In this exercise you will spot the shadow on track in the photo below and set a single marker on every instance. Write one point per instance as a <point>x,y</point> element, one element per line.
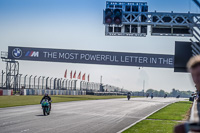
<point>39,115</point>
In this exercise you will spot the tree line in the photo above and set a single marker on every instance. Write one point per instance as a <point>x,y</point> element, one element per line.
<point>173,93</point>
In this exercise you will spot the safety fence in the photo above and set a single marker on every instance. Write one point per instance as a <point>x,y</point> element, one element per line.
<point>30,85</point>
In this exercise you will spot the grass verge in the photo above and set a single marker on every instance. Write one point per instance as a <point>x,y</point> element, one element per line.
<point>164,120</point>
<point>11,101</point>
<point>175,111</point>
<point>152,126</point>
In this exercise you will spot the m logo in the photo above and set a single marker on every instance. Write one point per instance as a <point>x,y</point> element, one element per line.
<point>32,54</point>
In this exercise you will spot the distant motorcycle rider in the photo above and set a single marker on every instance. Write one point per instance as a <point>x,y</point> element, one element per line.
<point>147,95</point>
<point>178,96</point>
<point>128,95</point>
<point>151,95</point>
<point>46,96</point>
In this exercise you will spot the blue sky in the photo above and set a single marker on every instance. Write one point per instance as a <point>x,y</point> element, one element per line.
<point>78,24</point>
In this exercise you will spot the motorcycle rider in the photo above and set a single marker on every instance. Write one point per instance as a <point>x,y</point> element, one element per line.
<point>178,96</point>
<point>151,95</point>
<point>147,95</point>
<point>128,95</point>
<point>46,96</point>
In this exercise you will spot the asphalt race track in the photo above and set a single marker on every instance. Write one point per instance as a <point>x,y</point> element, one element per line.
<point>95,116</point>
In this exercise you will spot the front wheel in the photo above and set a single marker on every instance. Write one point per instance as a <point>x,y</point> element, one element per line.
<point>44,111</point>
<point>48,112</point>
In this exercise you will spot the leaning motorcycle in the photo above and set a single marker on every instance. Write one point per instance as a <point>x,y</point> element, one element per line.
<point>46,107</point>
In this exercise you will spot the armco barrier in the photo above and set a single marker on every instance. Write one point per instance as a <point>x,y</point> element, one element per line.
<point>1,92</point>
<point>64,92</point>
<point>47,92</point>
<point>6,92</point>
<point>43,92</point>
<point>59,92</point>
<point>33,92</point>
<point>23,92</point>
<point>30,91</point>
<point>195,116</point>
<point>54,92</point>
<point>40,92</point>
<point>50,92</point>
<point>27,91</point>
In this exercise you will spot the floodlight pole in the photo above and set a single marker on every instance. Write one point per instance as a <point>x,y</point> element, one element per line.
<point>50,82</point>
<point>39,82</point>
<point>34,81</point>
<point>25,81</point>
<point>30,81</point>
<point>2,78</point>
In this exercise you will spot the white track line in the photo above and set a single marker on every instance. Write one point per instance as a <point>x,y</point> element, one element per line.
<point>143,118</point>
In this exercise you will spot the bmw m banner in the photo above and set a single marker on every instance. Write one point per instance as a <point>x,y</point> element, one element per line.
<point>91,57</point>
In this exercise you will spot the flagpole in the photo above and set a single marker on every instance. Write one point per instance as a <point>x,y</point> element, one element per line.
<point>143,86</point>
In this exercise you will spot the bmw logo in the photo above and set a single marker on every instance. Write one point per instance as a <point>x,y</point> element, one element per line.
<point>17,53</point>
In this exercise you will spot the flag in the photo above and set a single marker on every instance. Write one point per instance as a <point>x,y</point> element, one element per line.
<point>79,75</point>
<point>74,75</point>
<point>71,75</point>
<point>88,77</point>
<point>65,73</point>
<point>83,78</point>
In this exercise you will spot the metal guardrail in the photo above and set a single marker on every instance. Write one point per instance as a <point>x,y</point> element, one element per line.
<point>193,126</point>
<point>194,117</point>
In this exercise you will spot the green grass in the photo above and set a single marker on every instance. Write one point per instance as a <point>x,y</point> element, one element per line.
<point>11,101</point>
<point>174,111</point>
<point>164,120</point>
<point>152,126</point>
